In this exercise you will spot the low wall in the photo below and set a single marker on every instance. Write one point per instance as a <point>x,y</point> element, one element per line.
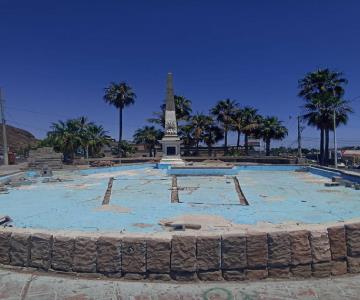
<point>253,256</point>
<point>233,159</point>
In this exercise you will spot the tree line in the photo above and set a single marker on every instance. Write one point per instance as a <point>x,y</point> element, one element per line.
<point>209,129</point>
<point>322,91</point>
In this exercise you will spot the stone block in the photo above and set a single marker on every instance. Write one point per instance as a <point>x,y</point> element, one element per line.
<point>280,272</point>
<point>184,276</point>
<point>300,247</point>
<point>353,264</point>
<point>234,275</point>
<point>108,255</point>
<point>208,253</point>
<point>5,237</point>
<point>134,255</point>
<point>257,250</point>
<point>159,276</point>
<point>279,249</point>
<point>20,249</point>
<point>233,252</point>
<point>158,253</point>
<point>338,267</point>
<point>62,253</point>
<point>353,239</point>
<point>337,242</point>
<point>303,271</point>
<point>40,253</point>
<point>256,274</point>
<point>322,269</point>
<point>210,275</point>
<point>84,258</point>
<point>320,246</point>
<point>183,254</point>
<point>134,276</point>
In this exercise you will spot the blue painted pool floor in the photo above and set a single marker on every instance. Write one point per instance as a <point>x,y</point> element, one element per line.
<point>141,198</point>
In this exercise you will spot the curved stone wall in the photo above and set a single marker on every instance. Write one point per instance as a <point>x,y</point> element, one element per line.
<point>281,254</point>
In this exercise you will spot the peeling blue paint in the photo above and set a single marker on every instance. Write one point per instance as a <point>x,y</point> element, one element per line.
<point>276,194</point>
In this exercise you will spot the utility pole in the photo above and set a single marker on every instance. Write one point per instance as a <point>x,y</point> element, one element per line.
<point>335,143</point>
<point>299,138</point>
<point>5,148</point>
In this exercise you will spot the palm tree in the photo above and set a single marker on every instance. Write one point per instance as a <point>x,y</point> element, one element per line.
<point>83,124</point>
<point>250,122</point>
<point>149,136</point>
<point>182,110</point>
<point>97,137</point>
<point>237,124</point>
<point>212,135</point>
<point>323,90</point>
<point>75,134</point>
<point>186,133</point>
<point>199,123</point>
<point>223,111</point>
<point>64,137</point>
<point>271,129</point>
<point>319,113</point>
<point>127,148</point>
<point>119,95</point>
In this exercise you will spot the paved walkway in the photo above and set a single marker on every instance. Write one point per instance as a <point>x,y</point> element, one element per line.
<point>35,286</point>
<point>11,169</point>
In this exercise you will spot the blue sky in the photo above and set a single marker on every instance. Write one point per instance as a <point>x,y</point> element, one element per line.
<point>56,57</point>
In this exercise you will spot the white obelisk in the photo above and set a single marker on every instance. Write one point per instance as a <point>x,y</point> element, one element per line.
<point>171,141</point>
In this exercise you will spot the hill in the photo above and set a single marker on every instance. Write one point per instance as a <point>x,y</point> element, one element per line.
<point>17,138</point>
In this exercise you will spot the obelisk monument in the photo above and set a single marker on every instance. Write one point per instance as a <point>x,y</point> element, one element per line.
<point>171,141</point>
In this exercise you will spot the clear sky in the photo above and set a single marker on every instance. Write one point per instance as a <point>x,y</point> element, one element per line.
<point>56,57</point>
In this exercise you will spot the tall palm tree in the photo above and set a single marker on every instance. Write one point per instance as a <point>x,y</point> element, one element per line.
<point>271,129</point>
<point>119,95</point>
<point>212,135</point>
<point>322,91</point>
<point>149,136</point>
<point>199,123</point>
<point>182,110</point>
<point>250,122</point>
<point>237,124</point>
<point>223,111</point>
<point>319,113</point>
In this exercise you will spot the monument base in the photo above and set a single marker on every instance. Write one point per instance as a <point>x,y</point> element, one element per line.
<point>171,161</point>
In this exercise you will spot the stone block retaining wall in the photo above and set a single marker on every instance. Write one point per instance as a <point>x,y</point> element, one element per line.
<point>253,256</point>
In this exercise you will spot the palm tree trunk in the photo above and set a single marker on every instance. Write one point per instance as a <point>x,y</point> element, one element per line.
<point>321,146</point>
<point>209,150</point>
<point>238,139</point>
<point>120,129</point>
<point>226,141</point>
<point>197,148</point>
<point>327,139</point>
<point>154,151</point>
<point>267,147</point>
<point>87,151</point>
<point>150,151</point>
<point>246,144</point>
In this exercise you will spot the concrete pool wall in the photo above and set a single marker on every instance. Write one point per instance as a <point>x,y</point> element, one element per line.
<point>233,256</point>
<point>188,256</point>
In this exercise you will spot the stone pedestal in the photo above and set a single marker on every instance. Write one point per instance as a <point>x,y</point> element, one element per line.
<point>171,151</point>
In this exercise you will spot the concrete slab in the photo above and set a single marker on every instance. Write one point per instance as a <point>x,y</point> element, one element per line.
<point>39,286</point>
